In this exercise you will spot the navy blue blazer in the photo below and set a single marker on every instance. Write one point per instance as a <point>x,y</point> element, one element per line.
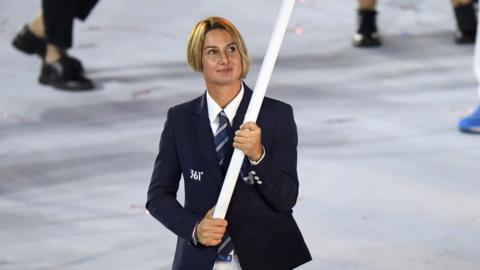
<point>260,220</point>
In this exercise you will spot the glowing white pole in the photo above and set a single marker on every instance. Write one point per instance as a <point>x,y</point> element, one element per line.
<point>255,104</point>
<point>476,58</point>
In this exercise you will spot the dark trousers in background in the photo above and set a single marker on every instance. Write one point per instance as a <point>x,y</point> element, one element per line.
<point>58,17</point>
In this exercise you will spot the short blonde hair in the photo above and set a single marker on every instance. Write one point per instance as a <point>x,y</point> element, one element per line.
<point>197,40</point>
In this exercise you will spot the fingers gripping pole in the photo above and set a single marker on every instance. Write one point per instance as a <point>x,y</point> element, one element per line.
<point>255,104</point>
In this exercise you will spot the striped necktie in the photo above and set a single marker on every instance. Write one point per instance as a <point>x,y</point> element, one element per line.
<point>224,148</point>
<point>223,142</point>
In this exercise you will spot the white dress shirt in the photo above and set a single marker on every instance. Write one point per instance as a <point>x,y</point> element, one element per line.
<point>230,110</point>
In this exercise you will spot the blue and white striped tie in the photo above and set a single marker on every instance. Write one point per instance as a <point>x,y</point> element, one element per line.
<point>224,148</point>
<point>223,143</point>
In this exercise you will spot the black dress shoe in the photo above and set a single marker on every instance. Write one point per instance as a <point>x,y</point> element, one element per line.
<point>366,40</point>
<point>465,37</point>
<point>65,74</point>
<point>27,42</point>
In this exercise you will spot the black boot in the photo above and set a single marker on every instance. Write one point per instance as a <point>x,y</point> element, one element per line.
<point>467,24</point>
<point>367,35</point>
<point>65,74</point>
<point>25,41</point>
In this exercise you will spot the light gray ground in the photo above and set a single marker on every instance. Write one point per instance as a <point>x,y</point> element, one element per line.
<point>387,182</point>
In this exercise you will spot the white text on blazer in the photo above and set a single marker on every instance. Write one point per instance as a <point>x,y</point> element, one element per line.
<point>196,175</point>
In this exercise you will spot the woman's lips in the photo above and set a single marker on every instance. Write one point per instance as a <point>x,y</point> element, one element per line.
<point>225,70</point>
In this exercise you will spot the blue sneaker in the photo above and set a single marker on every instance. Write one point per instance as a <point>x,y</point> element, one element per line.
<point>471,123</point>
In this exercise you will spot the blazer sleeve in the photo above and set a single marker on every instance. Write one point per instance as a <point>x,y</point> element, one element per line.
<point>278,169</point>
<point>162,200</point>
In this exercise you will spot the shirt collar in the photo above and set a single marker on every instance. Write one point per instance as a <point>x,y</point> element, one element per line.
<point>230,110</point>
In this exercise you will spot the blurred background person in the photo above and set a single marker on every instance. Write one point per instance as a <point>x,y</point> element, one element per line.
<point>367,33</point>
<point>50,35</point>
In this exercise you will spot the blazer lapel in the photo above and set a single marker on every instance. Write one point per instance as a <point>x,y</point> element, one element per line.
<point>242,108</point>
<point>205,137</point>
<point>240,114</point>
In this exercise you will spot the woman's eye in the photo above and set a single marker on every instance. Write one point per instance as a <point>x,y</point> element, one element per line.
<point>211,52</point>
<point>232,49</point>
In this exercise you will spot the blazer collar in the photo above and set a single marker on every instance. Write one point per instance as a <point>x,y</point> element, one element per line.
<point>200,103</point>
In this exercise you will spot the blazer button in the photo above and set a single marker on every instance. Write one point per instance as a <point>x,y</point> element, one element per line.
<point>256,178</point>
<point>253,172</point>
<point>259,182</point>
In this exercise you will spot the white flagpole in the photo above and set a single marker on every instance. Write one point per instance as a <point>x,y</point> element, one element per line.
<point>255,104</point>
<point>476,58</point>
